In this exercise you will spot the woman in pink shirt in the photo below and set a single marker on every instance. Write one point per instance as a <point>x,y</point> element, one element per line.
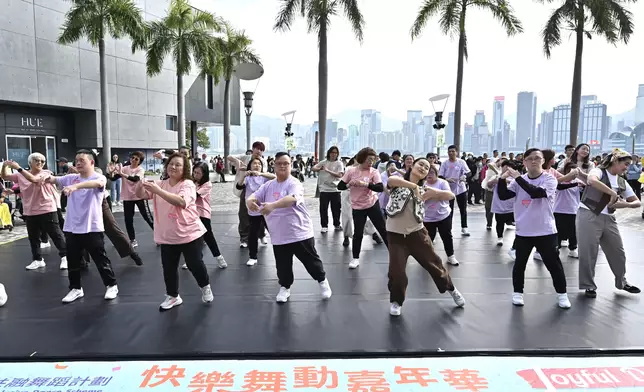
<point>201,176</point>
<point>178,230</point>
<point>39,207</point>
<point>363,181</point>
<point>132,174</point>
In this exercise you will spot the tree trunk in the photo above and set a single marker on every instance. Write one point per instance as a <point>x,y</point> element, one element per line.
<point>323,82</point>
<point>226,124</point>
<point>181,112</point>
<point>575,101</point>
<point>105,104</point>
<point>459,82</point>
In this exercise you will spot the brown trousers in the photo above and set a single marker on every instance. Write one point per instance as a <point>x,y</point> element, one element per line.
<point>419,246</point>
<point>112,230</point>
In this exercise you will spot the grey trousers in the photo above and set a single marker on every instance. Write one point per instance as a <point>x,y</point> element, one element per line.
<point>594,231</point>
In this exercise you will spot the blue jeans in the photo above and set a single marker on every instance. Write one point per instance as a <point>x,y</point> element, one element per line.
<point>116,188</point>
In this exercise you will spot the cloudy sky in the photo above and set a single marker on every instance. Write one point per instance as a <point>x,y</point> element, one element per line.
<point>390,73</point>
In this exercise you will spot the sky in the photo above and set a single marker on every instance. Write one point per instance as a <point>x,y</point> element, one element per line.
<point>390,73</point>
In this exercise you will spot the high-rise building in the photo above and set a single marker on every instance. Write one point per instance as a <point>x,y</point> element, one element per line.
<point>370,124</point>
<point>620,126</point>
<point>449,129</point>
<point>354,139</point>
<point>560,127</point>
<point>429,134</point>
<point>468,133</point>
<point>479,118</point>
<point>498,120</point>
<point>545,129</point>
<point>526,118</point>
<point>483,134</point>
<point>414,117</point>
<point>594,127</point>
<point>506,136</point>
<point>639,106</point>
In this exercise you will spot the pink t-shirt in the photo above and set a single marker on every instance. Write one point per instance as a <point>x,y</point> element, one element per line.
<point>176,225</point>
<point>554,173</point>
<point>38,198</point>
<point>203,201</point>
<point>362,197</point>
<point>127,186</point>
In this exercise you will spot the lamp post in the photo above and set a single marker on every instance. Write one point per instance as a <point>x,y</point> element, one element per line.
<point>438,119</point>
<point>288,134</point>
<point>249,75</point>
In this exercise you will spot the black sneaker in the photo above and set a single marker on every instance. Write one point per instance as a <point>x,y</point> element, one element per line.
<point>376,238</point>
<point>345,243</point>
<point>591,293</point>
<point>631,289</point>
<point>137,259</point>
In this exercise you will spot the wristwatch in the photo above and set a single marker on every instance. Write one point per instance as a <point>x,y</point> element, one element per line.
<point>19,170</point>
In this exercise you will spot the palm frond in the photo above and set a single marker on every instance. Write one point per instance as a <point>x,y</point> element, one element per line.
<point>286,14</point>
<point>451,22</point>
<point>623,19</point>
<point>503,12</point>
<point>353,14</point>
<point>160,43</point>
<point>427,10</point>
<point>76,24</point>
<point>551,32</point>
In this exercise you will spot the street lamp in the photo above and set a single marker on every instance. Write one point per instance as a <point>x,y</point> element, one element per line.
<point>438,118</point>
<point>288,134</point>
<point>248,75</point>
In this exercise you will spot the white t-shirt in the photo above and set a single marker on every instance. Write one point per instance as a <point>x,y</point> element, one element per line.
<point>613,183</point>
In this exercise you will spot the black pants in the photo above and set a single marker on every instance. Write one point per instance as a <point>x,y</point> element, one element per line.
<point>474,190</point>
<point>63,202</point>
<point>48,224</point>
<point>489,196</point>
<point>255,231</point>
<point>94,244</point>
<point>128,215</point>
<point>193,256</point>
<point>637,188</point>
<point>567,229</point>
<point>461,200</point>
<point>334,199</point>
<point>444,228</point>
<point>501,221</point>
<point>360,219</point>
<point>303,250</point>
<point>546,246</point>
<point>244,222</point>
<point>209,238</point>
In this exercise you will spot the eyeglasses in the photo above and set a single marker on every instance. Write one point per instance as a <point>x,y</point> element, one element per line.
<point>282,163</point>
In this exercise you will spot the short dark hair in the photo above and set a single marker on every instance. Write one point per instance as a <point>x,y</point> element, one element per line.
<point>396,152</point>
<point>253,160</point>
<point>452,147</point>
<point>139,155</point>
<point>259,146</point>
<point>281,154</point>
<point>507,162</point>
<point>205,171</point>
<point>529,151</point>
<point>89,153</point>
<point>363,154</point>
<point>548,155</point>
<point>569,146</point>
<point>328,152</point>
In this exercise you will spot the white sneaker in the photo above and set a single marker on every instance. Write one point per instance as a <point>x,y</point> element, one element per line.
<point>355,263</point>
<point>35,265</point>
<point>221,263</point>
<point>324,230</point>
<point>452,260</point>
<point>243,245</point>
<point>170,302</point>
<point>465,232</point>
<point>513,254</point>
<point>63,263</point>
<point>563,301</point>
<point>134,244</point>
<point>206,294</point>
<point>3,295</point>
<point>184,266</point>
<point>395,309</point>
<point>263,241</point>
<point>283,295</point>
<point>73,295</point>
<point>112,292</point>
<point>499,242</point>
<point>517,299</point>
<point>251,262</point>
<point>458,298</point>
<point>45,245</point>
<point>564,243</point>
<point>537,256</point>
<point>574,254</point>
<point>325,289</point>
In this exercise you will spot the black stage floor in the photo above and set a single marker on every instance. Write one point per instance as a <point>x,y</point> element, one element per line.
<point>244,318</point>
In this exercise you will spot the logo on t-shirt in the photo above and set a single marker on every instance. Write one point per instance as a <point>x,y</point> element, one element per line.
<point>173,216</point>
<point>526,203</point>
<point>276,195</point>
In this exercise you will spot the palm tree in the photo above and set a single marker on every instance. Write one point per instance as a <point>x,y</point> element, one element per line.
<point>231,50</point>
<point>185,34</point>
<point>94,20</point>
<point>452,22</point>
<point>606,18</point>
<point>318,17</point>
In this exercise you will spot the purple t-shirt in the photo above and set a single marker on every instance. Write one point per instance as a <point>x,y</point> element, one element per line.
<point>84,206</point>
<point>534,217</point>
<point>567,201</point>
<point>290,224</point>
<point>435,210</point>
<point>252,185</point>
<point>501,206</point>
<point>455,170</point>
